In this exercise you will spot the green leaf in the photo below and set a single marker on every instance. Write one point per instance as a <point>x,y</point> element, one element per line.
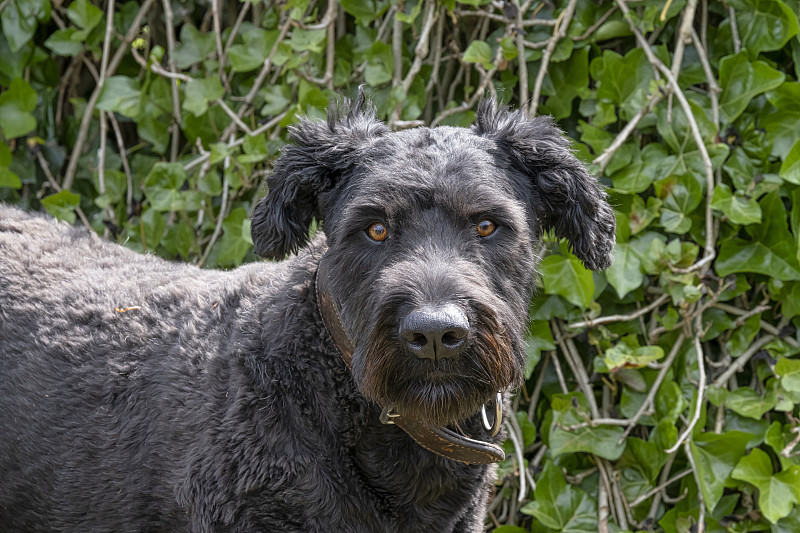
<point>163,188</point>
<point>120,94</point>
<point>539,338</point>
<point>153,224</point>
<point>84,15</point>
<point>715,457</point>
<point>19,20</point>
<point>789,372</point>
<point>7,177</point>
<point>623,75</point>
<point>479,52</point>
<point>16,105</point>
<point>232,247</point>
<point>308,40</point>
<point>62,205</point>
<point>559,506</point>
<point>199,92</point>
<point>764,25</point>
<point>622,355</point>
<point>65,42</point>
<point>777,493</point>
<point>194,46</point>
<point>625,273</point>
<point>738,255</point>
<point>790,168</point>
<point>380,64</point>
<point>256,48</point>
<point>570,410</point>
<point>567,277</point>
<point>742,80</point>
<point>737,207</point>
<point>681,195</point>
<point>365,11</point>
<point>746,402</point>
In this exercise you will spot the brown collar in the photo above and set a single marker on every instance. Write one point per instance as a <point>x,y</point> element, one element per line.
<point>438,440</point>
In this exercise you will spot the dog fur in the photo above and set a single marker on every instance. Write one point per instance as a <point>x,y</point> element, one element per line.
<point>140,395</point>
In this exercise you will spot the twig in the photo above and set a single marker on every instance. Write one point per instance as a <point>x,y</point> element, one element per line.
<point>559,374</point>
<point>123,154</point>
<point>742,360</point>
<point>701,387</point>
<point>713,86</point>
<point>660,487</point>
<point>515,434</point>
<point>57,187</point>
<point>710,248</point>
<point>559,32</point>
<point>737,43</point>
<point>596,25</point>
<point>648,401</point>
<point>604,158</point>
<point>83,130</point>
<point>578,370</point>
<point>620,318</point>
<point>701,518</point>
<point>176,103</point>
<point>101,151</point>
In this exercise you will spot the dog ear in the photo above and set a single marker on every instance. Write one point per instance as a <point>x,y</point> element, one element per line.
<point>321,153</point>
<point>565,197</point>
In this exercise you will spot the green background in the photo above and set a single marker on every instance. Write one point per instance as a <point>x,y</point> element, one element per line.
<point>663,393</point>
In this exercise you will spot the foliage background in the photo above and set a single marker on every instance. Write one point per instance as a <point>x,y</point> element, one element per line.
<point>663,392</point>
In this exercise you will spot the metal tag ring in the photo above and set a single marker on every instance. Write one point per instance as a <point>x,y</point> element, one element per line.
<point>493,428</point>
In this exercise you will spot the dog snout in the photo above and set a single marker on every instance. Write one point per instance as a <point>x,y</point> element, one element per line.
<point>435,333</point>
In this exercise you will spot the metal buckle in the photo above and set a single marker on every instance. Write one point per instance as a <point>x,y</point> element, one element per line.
<point>387,414</point>
<point>493,428</point>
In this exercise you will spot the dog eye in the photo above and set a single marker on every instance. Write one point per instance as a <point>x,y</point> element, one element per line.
<point>486,227</point>
<point>377,232</point>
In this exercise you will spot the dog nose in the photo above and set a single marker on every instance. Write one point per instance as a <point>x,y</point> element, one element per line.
<point>435,332</point>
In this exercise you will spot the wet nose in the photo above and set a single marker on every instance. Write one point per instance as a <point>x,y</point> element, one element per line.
<point>435,332</point>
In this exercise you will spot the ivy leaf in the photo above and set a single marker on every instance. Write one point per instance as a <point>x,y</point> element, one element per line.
<point>84,15</point>
<point>738,255</point>
<point>479,52</point>
<point>764,25</point>
<point>622,355</point>
<point>783,122</point>
<point>681,195</point>
<point>567,277</point>
<point>777,493</point>
<point>198,93</point>
<point>746,402</point>
<point>120,94</point>
<point>308,40</point>
<point>570,410</point>
<point>738,208</point>
<point>563,82</point>
<point>232,247</point>
<point>742,80</point>
<point>194,46</point>
<point>715,457</point>
<point>16,105</point>
<point>789,372</point>
<point>19,20</point>
<point>62,205</point>
<point>621,76</point>
<point>163,188</point>
<point>560,506</point>
<point>539,338</point>
<point>256,48</point>
<point>8,178</point>
<point>790,168</point>
<point>380,64</point>
<point>625,273</point>
<point>66,42</point>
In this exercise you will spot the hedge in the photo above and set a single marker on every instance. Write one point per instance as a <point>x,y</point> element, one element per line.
<point>662,393</point>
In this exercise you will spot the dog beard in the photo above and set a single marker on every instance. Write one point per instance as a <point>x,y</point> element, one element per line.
<point>440,392</point>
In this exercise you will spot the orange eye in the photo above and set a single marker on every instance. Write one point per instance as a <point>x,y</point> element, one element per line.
<point>377,232</point>
<point>486,227</point>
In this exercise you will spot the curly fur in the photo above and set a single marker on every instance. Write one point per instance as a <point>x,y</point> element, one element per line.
<point>142,395</point>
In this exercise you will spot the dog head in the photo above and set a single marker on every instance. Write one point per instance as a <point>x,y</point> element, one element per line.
<point>432,243</point>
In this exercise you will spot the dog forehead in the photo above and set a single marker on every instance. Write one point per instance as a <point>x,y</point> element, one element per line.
<point>434,161</point>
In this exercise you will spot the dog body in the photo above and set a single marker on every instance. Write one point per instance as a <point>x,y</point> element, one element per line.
<point>142,395</point>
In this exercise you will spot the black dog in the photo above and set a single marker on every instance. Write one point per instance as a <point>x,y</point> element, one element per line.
<point>142,395</point>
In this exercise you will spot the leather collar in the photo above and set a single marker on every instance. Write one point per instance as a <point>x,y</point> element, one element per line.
<point>439,440</point>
